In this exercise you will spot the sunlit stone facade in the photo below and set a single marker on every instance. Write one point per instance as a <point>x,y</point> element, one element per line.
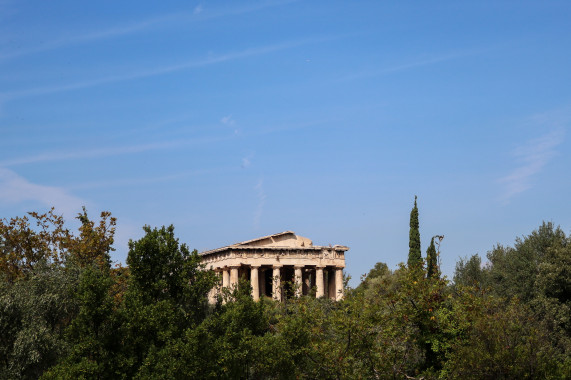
<point>280,265</point>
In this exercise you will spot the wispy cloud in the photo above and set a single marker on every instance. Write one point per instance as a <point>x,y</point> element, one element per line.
<point>227,120</point>
<point>247,160</point>
<point>411,65</point>
<point>531,157</point>
<point>106,152</point>
<point>248,8</point>
<point>17,189</point>
<point>198,9</point>
<point>247,53</point>
<point>261,194</point>
<point>120,30</point>
<point>121,182</point>
<point>87,37</point>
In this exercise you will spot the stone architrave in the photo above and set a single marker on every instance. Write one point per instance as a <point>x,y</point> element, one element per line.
<point>281,253</point>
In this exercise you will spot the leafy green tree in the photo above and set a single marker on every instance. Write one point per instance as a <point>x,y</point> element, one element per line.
<point>33,316</point>
<point>166,294</point>
<point>552,306</point>
<point>401,310</point>
<point>414,254</point>
<point>379,270</point>
<point>535,272</point>
<point>494,341</point>
<point>40,265</point>
<point>469,272</point>
<point>223,346</point>
<point>95,334</point>
<point>316,338</point>
<point>513,270</point>
<point>162,269</point>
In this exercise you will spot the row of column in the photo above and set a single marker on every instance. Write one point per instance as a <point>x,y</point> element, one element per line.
<point>230,278</point>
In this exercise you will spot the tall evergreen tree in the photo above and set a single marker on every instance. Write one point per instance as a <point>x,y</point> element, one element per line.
<point>431,260</point>
<point>414,255</point>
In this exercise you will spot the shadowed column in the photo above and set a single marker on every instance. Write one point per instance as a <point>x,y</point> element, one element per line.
<point>331,285</point>
<point>262,277</point>
<point>307,281</point>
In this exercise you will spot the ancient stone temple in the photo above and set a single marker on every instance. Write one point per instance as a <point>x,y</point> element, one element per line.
<point>280,265</point>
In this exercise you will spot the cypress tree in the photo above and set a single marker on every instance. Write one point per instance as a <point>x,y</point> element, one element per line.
<point>414,255</point>
<point>431,261</point>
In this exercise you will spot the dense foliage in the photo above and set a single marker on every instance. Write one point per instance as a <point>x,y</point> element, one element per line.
<point>65,313</point>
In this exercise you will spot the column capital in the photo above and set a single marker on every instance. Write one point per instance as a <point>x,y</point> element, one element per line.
<point>299,266</point>
<point>277,265</point>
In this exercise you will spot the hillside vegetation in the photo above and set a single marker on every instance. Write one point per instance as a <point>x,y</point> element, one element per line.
<point>67,313</point>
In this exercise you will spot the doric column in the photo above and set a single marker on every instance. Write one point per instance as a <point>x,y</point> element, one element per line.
<point>255,283</point>
<point>331,288</point>
<point>338,283</point>
<point>277,293</point>
<point>319,282</point>
<point>225,278</point>
<point>298,283</point>
<point>234,276</point>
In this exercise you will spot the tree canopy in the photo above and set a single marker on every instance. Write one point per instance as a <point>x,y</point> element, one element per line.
<point>67,313</point>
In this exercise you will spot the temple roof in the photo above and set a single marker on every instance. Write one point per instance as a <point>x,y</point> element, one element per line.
<point>279,241</point>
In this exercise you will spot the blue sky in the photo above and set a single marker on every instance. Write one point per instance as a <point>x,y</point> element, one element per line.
<point>233,120</point>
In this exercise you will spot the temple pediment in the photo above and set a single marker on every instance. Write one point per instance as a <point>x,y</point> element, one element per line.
<point>283,239</point>
<point>279,241</point>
